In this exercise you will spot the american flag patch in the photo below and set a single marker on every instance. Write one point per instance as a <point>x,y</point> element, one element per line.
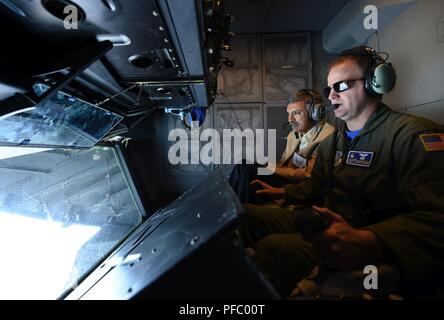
<point>432,141</point>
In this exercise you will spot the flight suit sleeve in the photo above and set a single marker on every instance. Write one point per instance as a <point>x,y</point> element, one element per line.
<point>416,239</point>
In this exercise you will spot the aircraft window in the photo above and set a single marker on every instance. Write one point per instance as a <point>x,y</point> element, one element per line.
<point>63,120</point>
<point>61,212</point>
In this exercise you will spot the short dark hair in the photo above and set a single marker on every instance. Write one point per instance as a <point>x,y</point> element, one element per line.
<point>364,62</point>
<point>308,96</point>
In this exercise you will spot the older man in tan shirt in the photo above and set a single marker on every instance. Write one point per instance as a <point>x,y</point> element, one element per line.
<point>305,114</point>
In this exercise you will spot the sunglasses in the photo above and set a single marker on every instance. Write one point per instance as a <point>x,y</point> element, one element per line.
<point>338,87</point>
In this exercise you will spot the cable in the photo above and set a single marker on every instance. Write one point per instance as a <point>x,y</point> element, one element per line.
<point>115,95</point>
<point>140,94</point>
<point>422,104</point>
<point>231,107</point>
<point>371,35</point>
<point>266,16</point>
<point>386,54</point>
<point>377,41</point>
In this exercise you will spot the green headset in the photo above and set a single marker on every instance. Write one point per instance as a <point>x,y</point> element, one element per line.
<point>381,76</point>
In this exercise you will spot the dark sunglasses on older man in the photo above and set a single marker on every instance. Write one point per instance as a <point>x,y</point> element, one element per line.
<point>339,86</point>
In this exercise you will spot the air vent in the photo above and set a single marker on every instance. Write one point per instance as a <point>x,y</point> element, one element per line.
<point>140,61</point>
<point>163,90</point>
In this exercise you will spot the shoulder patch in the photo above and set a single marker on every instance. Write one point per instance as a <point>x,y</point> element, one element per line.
<point>432,141</point>
<point>338,159</point>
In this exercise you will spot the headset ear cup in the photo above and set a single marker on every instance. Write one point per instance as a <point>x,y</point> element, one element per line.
<point>314,106</point>
<point>311,112</point>
<point>368,81</point>
<point>380,79</point>
<point>322,111</point>
<point>383,78</point>
<point>318,111</point>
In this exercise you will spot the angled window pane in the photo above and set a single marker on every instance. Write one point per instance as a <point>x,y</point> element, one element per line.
<point>61,212</point>
<point>62,121</point>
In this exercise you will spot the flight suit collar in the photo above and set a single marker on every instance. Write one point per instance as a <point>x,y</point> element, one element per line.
<point>377,118</point>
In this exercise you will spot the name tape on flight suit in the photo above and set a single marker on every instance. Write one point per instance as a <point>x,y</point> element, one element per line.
<point>432,141</point>
<point>360,158</point>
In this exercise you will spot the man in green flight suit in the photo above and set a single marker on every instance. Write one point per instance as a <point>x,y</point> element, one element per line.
<point>378,181</point>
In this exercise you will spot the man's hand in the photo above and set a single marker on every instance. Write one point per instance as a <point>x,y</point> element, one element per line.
<point>267,190</point>
<point>343,247</point>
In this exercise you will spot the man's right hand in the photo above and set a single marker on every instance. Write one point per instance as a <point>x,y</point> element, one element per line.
<point>267,190</point>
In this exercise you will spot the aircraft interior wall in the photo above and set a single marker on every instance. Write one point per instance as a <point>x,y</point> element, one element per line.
<point>251,95</point>
<point>415,41</point>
